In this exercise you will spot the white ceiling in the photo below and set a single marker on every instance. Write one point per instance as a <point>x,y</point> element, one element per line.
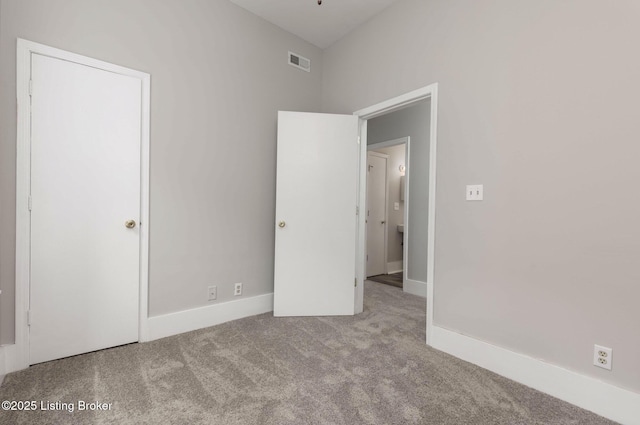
<point>319,25</point>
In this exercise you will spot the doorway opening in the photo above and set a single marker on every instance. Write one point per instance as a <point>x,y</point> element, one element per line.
<point>326,154</point>
<point>386,212</point>
<point>412,116</point>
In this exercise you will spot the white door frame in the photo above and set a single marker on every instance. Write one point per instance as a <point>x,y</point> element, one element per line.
<point>386,206</point>
<point>17,355</point>
<point>387,106</point>
<point>405,235</point>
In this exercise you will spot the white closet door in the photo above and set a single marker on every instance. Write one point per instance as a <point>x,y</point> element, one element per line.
<point>85,187</point>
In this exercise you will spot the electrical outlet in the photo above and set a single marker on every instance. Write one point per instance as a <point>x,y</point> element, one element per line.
<point>212,292</point>
<point>237,290</point>
<point>602,357</point>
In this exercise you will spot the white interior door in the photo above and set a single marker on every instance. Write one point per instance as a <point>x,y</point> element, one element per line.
<point>316,218</point>
<point>85,184</point>
<point>376,213</point>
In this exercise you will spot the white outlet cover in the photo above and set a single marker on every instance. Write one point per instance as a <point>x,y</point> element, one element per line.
<point>602,356</point>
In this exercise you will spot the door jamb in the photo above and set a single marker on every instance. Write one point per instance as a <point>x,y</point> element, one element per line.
<point>18,354</point>
<point>387,106</point>
<point>386,206</point>
<point>406,141</point>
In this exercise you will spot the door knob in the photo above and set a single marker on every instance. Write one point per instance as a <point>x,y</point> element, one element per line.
<point>130,224</point>
<point>382,222</point>
<point>282,224</point>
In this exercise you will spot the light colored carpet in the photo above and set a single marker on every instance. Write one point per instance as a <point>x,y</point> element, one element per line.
<point>373,368</point>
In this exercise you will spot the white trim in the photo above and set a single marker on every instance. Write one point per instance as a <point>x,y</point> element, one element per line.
<point>381,155</point>
<point>211,315</point>
<point>388,143</point>
<point>17,355</point>
<point>589,393</point>
<point>431,221</point>
<point>12,361</point>
<point>407,204</point>
<point>396,103</point>
<point>391,105</point>
<point>414,287</point>
<point>3,366</point>
<point>361,240</point>
<point>19,359</point>
<point>145,225</point>
<point>394,267</point>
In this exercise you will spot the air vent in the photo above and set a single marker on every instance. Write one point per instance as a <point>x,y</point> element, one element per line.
<point>299,62</point>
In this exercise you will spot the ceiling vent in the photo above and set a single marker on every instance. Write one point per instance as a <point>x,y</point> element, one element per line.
<point>299,62</point>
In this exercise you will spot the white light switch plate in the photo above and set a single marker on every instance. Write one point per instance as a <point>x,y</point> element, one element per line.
<point>475,192</point>
<point>396,206</point>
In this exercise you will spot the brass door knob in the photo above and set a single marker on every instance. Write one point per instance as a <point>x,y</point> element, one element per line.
<point>130,224</point>
<point>282,224</point>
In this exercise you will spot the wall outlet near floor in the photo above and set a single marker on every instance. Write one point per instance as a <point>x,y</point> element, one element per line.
<point>602,356</point>
<point>237,289</point>
<point>212,292</point>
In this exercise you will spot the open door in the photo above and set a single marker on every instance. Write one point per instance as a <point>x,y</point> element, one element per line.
<point>316,198</point>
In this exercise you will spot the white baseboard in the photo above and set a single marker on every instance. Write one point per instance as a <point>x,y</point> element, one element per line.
<point>3,364</point>
<point>604,399</point>
<point>167,325</point>
<point>203,317</point>
<point>415,287</point>
<point>10,360</point>
<point>394,267</point>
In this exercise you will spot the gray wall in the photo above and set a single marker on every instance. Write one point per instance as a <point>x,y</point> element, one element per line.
<point>219,74</point>
<point>394,238</point>
<point>415,123</point>
<point>538,102</point>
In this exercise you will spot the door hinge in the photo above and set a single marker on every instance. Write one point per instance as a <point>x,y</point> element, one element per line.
<point>28,317</point>
<point>30,87</point>
<point>355,282</point>
<point>358,139</point>
<point>29,203</point>
<point>357,210</point>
